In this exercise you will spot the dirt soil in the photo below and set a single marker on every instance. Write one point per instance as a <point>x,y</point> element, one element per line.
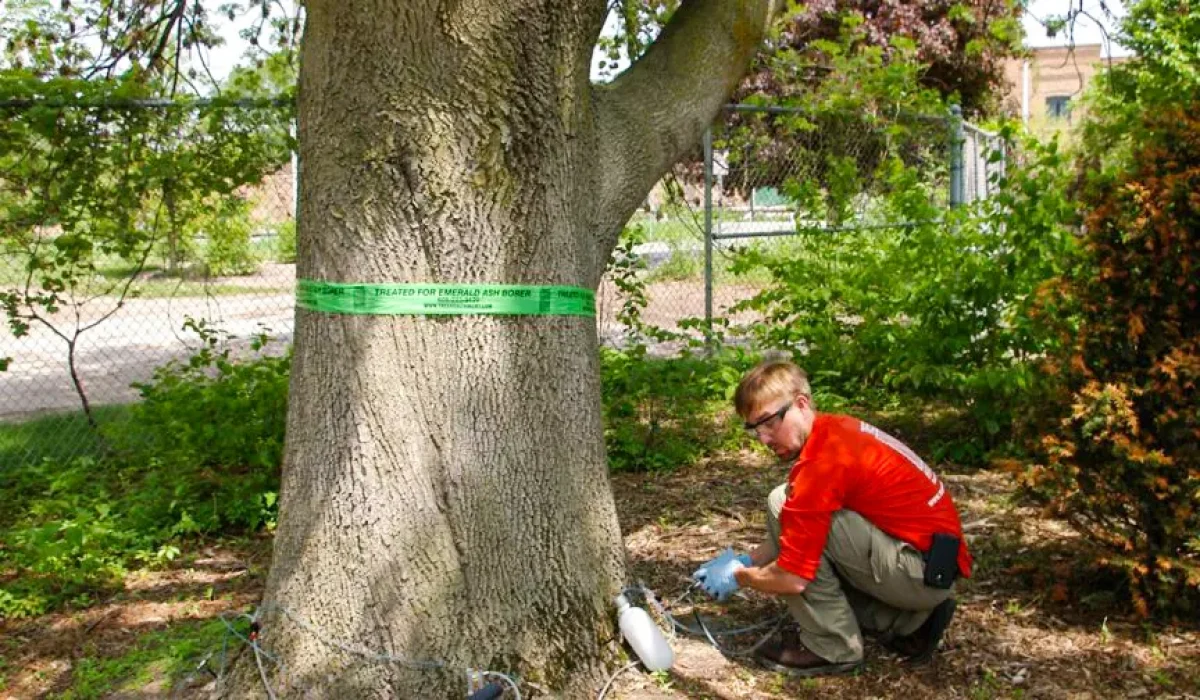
<point>1018,633</point>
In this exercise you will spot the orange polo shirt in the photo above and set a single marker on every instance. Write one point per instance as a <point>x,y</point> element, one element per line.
<point>849,464</point>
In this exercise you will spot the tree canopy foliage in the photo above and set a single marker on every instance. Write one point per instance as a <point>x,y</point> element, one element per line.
<point>960,45</point>
<point>97,169</point>
<point>165,42</point>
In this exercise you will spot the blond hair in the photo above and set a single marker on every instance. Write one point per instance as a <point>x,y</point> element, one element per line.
<point>771,379</point>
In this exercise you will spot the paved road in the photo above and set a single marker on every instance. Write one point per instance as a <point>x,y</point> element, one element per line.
<point>125,348</point>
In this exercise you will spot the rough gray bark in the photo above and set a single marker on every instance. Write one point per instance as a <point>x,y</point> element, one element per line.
<point>445,494</point>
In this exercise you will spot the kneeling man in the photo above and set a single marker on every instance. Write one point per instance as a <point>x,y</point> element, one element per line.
<point>862,536</point>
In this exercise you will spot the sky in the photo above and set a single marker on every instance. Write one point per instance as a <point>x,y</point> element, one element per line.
<point>1086,30</point>
<point>223,59</point>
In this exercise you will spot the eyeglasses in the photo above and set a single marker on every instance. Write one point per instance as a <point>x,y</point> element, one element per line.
<point>770,422</point>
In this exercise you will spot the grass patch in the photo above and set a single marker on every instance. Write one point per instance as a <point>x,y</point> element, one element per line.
<point>162,658</point>
<point>680,265</point>
<point>685,261</point>
<point>673,231</point>
<point>59,438</point>
<point>167,288</point>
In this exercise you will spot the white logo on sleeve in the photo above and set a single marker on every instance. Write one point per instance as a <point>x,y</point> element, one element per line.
<point>908,454</point>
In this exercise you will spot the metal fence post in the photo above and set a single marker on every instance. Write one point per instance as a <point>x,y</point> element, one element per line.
<point>295,157</point>
<point>957,185</point>
<point>708,239</point>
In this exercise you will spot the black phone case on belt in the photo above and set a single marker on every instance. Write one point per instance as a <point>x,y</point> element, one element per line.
<point>941,563</point>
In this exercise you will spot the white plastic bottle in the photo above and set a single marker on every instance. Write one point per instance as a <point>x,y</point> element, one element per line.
<point>644,636</point>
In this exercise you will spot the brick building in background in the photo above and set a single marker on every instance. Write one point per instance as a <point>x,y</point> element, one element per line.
<point>1045,87</point>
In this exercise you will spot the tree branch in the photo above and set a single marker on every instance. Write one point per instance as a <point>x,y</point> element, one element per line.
<point>656,110</point>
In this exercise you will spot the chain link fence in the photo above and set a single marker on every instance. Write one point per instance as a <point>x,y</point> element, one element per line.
<point>123,222</point>
<point>768,176</point>
<point>119,221</point>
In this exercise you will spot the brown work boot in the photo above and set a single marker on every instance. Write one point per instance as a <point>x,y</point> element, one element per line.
<point>797,660</point>
<point>921,645</point>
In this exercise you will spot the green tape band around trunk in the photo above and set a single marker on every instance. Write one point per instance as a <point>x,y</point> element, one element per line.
<point>444,299</point>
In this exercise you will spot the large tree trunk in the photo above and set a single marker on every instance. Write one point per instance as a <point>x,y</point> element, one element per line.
<point>445,496</point>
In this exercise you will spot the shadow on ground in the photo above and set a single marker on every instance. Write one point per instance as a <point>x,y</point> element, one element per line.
<point>1017,633</point>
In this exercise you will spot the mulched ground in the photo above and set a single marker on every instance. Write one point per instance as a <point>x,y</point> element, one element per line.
<point>1020,632</point>
<point>1017,633</point>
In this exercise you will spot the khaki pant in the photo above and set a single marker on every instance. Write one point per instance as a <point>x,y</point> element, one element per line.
<point>867,580</point>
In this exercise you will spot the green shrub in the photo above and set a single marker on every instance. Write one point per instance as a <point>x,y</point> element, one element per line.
<point>69,538</point>
<point>1119,454</point>
<point>659,413</point>
<point>226,229</point>
<point>200,455</point>
<point>212,410</point>
<point>59,437</point>
<point>681,265</point>
<point>933,308</point>
<point>214,428</point>
<point>1115,438</point>
<point>285,242</point>
<point>663,413</point>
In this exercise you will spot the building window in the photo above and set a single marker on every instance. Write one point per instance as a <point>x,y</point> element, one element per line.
<point>1058,107</point>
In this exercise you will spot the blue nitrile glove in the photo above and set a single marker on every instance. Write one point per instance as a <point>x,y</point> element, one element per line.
<point>716,576</point>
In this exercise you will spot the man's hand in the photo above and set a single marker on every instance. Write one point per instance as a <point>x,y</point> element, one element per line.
<point>717,576</point>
